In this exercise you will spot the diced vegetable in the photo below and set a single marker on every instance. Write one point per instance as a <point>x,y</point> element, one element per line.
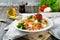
<point>27,21</point>
<point>39,17</point>
<point>21,25</point>
<point>29,17</point>
<point>33,17</point>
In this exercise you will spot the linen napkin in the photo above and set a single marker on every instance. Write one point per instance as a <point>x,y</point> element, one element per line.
<point>12,32</point>
<point>55,30</point>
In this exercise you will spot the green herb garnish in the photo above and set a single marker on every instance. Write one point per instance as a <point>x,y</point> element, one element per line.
<point>29,17</point>
<point>40,36</point>
<point>21,25</point>
<point>35,19</point>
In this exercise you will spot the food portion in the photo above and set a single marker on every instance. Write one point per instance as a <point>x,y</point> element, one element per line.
<point>33,22</point>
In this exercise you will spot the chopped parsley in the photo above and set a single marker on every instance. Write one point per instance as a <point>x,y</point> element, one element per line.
<point>40,36</point>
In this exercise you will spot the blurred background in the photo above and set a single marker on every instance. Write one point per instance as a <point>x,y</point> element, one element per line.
<point>32,5</point>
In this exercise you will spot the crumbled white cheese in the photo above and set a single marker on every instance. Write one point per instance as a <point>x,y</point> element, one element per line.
<point>36,21</point>
<point>44,25</point>
<point>30,25</point>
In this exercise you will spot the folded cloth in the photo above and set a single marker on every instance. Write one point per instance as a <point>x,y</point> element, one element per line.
<point>12,32</point>
<point>55,30</point>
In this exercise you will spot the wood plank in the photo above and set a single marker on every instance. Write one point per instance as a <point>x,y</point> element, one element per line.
<point>35,36</point>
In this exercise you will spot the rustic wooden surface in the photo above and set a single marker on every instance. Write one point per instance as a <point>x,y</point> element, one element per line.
<point>35,36</point>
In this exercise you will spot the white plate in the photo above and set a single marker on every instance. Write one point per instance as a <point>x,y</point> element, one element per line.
<point>50,23</point>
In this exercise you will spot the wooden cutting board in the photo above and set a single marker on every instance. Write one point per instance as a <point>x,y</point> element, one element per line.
<point>38,36</point>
